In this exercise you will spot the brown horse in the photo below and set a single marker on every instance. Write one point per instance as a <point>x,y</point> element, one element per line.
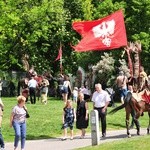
<point>138,107</point>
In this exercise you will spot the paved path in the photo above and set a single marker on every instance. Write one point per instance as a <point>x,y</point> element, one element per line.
<point>57,144</point>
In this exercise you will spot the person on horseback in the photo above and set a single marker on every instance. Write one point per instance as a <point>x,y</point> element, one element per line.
<point>121,82</point>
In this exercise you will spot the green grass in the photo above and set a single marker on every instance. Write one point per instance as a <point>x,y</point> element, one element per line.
<point>138,143</point>
<point>46,120</point>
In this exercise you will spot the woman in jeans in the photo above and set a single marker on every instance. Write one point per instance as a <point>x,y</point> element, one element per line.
<point>18,121</point>
<point>66,88</point>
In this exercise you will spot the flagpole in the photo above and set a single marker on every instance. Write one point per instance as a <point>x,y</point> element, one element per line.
<point>61,59</point>
<point>61,65</point>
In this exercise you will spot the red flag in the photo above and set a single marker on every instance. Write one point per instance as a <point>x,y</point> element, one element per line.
<point>59,57</point>
<point>104,34</point>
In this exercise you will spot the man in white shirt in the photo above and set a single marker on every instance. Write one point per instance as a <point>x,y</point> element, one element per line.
<point>101,101</point>
<point>32,89</point>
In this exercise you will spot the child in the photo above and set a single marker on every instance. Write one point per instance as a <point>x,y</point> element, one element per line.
<point>75,94</point>
<point>68,119</point>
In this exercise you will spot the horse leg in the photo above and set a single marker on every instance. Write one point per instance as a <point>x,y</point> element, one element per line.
<point>148,128</point>
<point>127,127</point>
<point>138,114</point>
<point>128,111</point>
<point>137,126</point>
<point>138,111</point>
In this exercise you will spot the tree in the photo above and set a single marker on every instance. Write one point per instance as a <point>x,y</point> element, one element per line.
<point>36,28</point>
<point>104,69</point>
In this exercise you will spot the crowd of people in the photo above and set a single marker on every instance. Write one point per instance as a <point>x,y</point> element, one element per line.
<point>79,116</point>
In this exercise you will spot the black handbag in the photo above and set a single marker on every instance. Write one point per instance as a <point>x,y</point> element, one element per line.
<point>27,114</point>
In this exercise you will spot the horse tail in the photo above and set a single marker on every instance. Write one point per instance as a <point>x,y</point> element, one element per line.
<point>128,97</point>
<point>117,108</point>
<point>126,101</point>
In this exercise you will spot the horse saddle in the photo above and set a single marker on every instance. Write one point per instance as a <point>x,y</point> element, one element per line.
<point>142,96</point>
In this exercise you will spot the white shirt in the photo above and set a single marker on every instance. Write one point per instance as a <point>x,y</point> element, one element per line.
<point>32,83</point>
<point>75,93</point>
<point>85,91</point>
<point>66,83</point>
<point>19,114</point>
<point>100,98</point>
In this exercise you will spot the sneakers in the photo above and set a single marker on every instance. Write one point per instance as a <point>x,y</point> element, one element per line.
<point>63,139</point>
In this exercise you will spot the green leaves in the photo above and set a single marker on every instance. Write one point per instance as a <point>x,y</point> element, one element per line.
<point>36,28</point>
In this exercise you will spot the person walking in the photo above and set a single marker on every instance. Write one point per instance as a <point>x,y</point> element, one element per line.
<point>82,115</point>
<point>75,94</point>
<point>2,145</point>
<point>18,121</point>
<point>66,88</point>
<point>32,89</point>
<point>101,100</point>
<point>60,81</point>
<point>43,92</point>
<point>69,117</point>
<point>45,83</point>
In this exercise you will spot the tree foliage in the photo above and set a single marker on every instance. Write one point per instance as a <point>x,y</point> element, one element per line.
<point>104,68</point>
<point>37,28</point>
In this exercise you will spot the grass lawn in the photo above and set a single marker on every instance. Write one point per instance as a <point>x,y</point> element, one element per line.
<point>46,120</point>
<point>137,143</point>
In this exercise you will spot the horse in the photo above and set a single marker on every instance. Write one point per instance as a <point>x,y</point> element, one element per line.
<point>130,103</point>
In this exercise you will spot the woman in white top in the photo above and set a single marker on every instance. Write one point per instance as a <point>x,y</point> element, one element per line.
<point>66,87</point>
<point>18,121</point>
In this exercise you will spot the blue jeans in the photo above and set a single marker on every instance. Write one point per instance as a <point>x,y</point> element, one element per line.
<point>1,140</point>
<point>123,92</point>
<point>20,131</point>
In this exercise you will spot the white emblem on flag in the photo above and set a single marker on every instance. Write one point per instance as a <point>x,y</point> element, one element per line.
<point>105,30</point>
